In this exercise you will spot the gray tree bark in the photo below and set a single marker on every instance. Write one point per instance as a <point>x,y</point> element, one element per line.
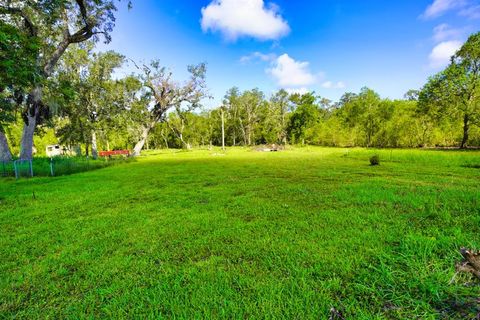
<point>26,145</point>
<point>143,138</point>
<point>5,154</point>
<point>94,145</point>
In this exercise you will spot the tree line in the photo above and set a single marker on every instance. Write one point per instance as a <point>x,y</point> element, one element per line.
<point>53,84</point>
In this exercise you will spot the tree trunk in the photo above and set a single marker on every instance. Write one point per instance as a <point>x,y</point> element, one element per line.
<point>94,145</point>
<point>36,100</point>
<point>5,154</point>
<point>165,138</point>
<point>466,129</point>
<point>33,108</point>
<point>26,151</point>
<point>139,146</point>
<point>223,132</point>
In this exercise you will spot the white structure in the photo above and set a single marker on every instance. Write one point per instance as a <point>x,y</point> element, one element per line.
<point>55,150</point>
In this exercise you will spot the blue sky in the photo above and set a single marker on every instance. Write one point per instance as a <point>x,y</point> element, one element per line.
<point>326,46</point>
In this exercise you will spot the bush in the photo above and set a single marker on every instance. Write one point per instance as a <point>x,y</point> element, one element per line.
<point>375,160</point>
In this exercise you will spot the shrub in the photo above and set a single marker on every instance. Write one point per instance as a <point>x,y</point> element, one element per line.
<point>375,160</point>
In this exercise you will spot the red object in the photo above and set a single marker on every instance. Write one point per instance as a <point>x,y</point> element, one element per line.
<point>114,153</point>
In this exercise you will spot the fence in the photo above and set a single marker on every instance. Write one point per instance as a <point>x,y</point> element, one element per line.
<point>58,166</point>
<point>23,168</point>
<point>7,169</point>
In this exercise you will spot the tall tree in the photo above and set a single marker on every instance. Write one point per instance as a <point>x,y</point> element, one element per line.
<point>57,24</point>
<point>279,107</point>
<point>250,103</point>
<point>455,92</point>
<point>230,102</point>
<point>96,97</point>
<point>17,73</point>
<point>167,94</point>
<point>305,115</point>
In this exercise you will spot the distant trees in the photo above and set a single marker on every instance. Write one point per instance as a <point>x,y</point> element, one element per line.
<point>53,81</point>
<point>306,114</point>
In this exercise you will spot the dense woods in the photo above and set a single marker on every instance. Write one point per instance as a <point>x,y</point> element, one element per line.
<point>55,88</point>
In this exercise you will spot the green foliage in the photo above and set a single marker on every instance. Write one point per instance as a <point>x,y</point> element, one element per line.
<point>375,160</point>
<point>454,93</point>
<point>306,114</point>
<point>18,70</point>
<point>249,234</point>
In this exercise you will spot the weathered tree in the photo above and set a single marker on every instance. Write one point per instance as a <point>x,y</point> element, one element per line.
<point>167,94</point>
<point>57,24</point>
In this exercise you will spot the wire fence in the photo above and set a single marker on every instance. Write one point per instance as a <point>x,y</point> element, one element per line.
<point>7,169</point>
<point>58,166</point>
<point>23,168</point>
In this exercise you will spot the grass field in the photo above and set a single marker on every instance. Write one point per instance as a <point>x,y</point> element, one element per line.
<point>245,235</point>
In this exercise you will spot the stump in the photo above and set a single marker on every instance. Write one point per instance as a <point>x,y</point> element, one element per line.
<point>470,262</point>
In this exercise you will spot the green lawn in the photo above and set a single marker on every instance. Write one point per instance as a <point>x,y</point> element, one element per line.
<point>248,234</point>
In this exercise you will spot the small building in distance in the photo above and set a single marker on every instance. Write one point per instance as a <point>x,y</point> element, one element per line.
<point>56,150</point>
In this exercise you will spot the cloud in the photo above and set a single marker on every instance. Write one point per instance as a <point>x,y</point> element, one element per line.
<point>442,52</point>
<point>265,57</point>
<point>300,91</point>
<point>466,8</point>
<point>244,18</point>
<point>471,12</point>
<point>444,32</point>
<point>332,85</point>
<point>440,7</point>
<point>291,73</point>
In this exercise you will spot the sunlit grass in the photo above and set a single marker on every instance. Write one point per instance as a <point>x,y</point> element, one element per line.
<point>203,234</point>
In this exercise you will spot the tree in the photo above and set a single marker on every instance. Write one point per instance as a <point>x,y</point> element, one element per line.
<point>230,102</point>
<point>276,119</point>
<point>96,95</point>
<point>455,92</point>
<point>249,104</point>
<point>363,114</point>
<point>305,115</point>
<point>17,73</point>
<point>166,94</point>
<point>51,22</point>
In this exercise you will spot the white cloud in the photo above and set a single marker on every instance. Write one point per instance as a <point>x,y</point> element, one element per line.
<point>472,12</point>
<point>300,91</point>
<point>291,73</point>
<point>265,57</point>
<point>440,7</point>
<point>466,8</point>
<point>244,18</point>
<point>444,32</point>
<point>441,53</point>
<point>332,85</point>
